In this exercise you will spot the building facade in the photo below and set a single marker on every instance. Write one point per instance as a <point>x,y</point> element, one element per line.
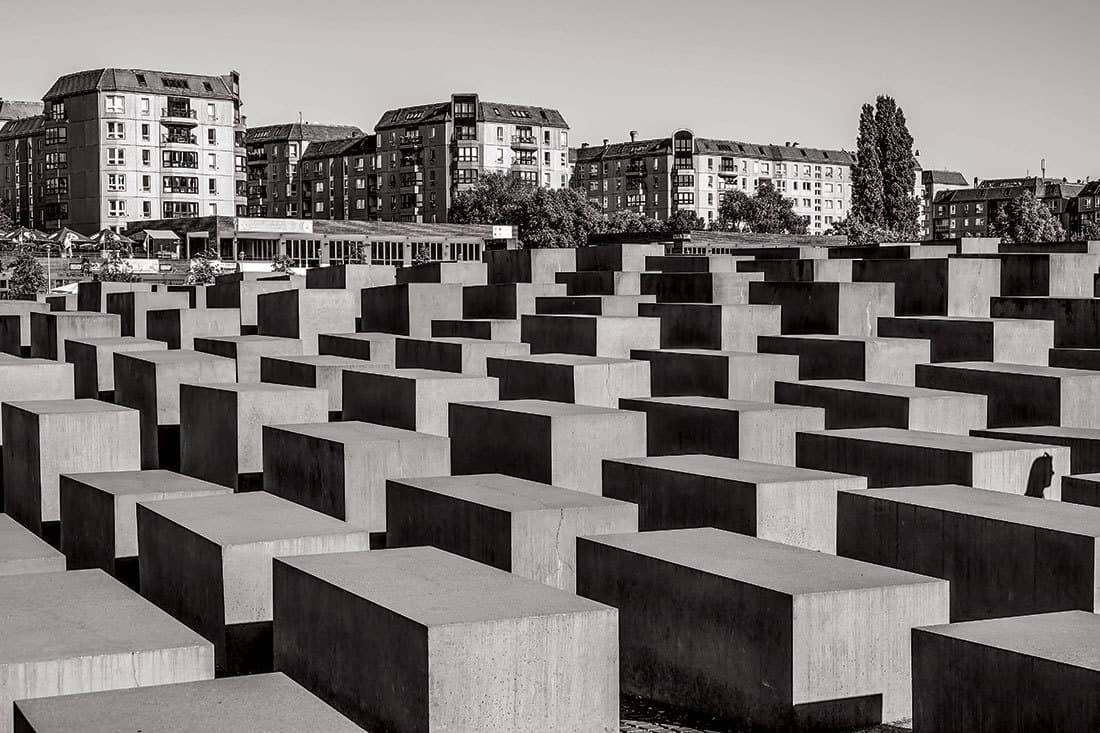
<point>428,153</point>
<point>969,212</point>
<point>21,171</point>
<point>339,180</point>
<point>274,154</point>
<point>932,183</point>
<point>683,172</point>
<point>129,143</point>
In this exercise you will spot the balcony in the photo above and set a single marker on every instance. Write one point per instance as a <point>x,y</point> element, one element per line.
<point>183,115</point>
<point>521,142</point>
<point>184,139</point>
<point>189,190</point>
<point>728,171</point>
<point>636,169</point>
<point>525,163</point>
<point>410,141</point>
<point>411,162</point>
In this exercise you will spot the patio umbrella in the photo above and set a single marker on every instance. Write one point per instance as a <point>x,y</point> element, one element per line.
<point>109,238</point>
<point>25,235</point>
<point>65,237</point>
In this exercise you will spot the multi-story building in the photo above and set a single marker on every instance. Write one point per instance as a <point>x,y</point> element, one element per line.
<point>339,180</point>
<point>685,172</point>
<point>11,109</point>
<point>932,183</point>
<point>428,153</point>
<point>1088,207</point>
<point>121,144</point>
<point>21,170</point>
<point>274,153</point>
<point>969,212</point>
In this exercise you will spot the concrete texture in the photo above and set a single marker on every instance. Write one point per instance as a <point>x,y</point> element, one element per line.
<point>22,309</point>
<point>411,399</point>
<point>303,314</point>
<point>1083,443</point>
<point>735,375</point>
<point>408,310</point>
<point>265,702</point>
<point>321,371</point>
<point>617,257</point>
<point>207,561</point>
<point>892,457</point>
<point>91,295</point>
<point>1009,340</point>
<point>350,277</point>
<point>179,327</point>
<point>709,326</point>
<point>133,307</point>
<point>380,348</point>
<point>874,359</point>
<point>760,634</point>
<point>590,335</point>
<point>550,442</point>
<point>459,355</point>
<point>505,300</point>
<point>755,431</point>
<point>1074,319</point>
<point>243,295</point>
<point>21,551</point>
<point>50,330</point>
<point>584,380</point>
<point>82,631</point>
<point>221,427</point>
<point>846,309</point>
<point>591,305</point>
<point>529,265</point>
<point>796,506</point>
<point>341,468</point>
<point>935,287</point>
<point>35,379</point>
<point>462,273</point>
<point>93,361</point>
<point>850,403</point>
<point>463,646</point>
<point>247,351</point>
<point>1005,555</point>
<point>1030,673</point>
<point>494,329</point>
<point>149,382</point>
<point>527,528</point>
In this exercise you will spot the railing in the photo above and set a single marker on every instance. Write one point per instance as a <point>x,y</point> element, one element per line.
<point>406,141</point>
<point>179,113</point>
<point>178,139</point>
<point>524,140</point>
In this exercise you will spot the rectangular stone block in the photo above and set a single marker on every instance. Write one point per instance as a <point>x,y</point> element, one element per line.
<point>795,506</point>
<point>459,355</point>
<point>221,427</point>
<point>692,263</point>
<point>91,295</point>
<point>49,331</point>
<point>585,380</point>
<point>1082,489</point>
<point>83,631</point>
<point>21,551</point>
<point>207,561</point>
<point>1022,394</point>
<point>304,314</point>
<point>1022,673</point>
<point>850,403</point>
<point>133,307</point>
<point>601,282</point>
<point>341,468</point>
<point>35,379</point>
<point>526,528</point>
<point>529,265</point>
<point>935,287</point>
<point>549,442</point>
<point>247,351</point>
<point>323,372</point>
<point>760,634</point>
<point>243,296</point>
<point>99,515</point>
<point>1083,443</point>
<point>267,702</point>
<point>504,301</point>
<point>1074,319</point>
<point>717,327</point>
<point>754,431</point>
<point>505,654</point>
<point>408,310</point>
<point>617,257</point>
<point>1005,555</point>
<point>379,348</point>
<point>699,287</point>
<point>1009,340</point>
<point>350,277</point>
<point>885,360</point>
<point>1071,358</point>
<point>590,335</point>
<point>149,382</point>
<point>93,361</point>
<point>462,273</point>
<point>179,327</point>
<point>46,438</point>
<point>1048,273</point>
<point>892,457</point>
<point>591,305</point>
<point>411,399</point>
<point>495,329</point>
<point>845,309</point>
<point>22,310</point>
<point>727,374</point>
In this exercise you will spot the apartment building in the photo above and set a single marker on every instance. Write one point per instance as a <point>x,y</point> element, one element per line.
<point>658,177</point>
<point>339,180</point>
<point>933,183</point>
<point>968,212</point>
<point>21,170</point>
<point>274,153</point>
<point>1088,206</point>
<point>121,144</point>
<point>11,109</point>
<point>428,153</point>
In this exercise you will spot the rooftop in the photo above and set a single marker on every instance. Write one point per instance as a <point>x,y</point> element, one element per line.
<point>300,131</point>
<point>355,145</point>
<point>140,80</point>
<point>515,114</point>
<point>728,148</point>
<point>11,109</point>
<point>945,178</point>
<point>23,127</point>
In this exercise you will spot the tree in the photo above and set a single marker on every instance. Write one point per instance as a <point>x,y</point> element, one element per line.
<point>898,164</point>
<point>683,221</point>
<point>1089,231</point>
<point>765,212</point>
<point>867,186</point>
<point>1026,219</point>
<point>860,232</point>
<point>423,255</point>
<point>631,222</point>
<point>6,223</point>
<point>204,267</point>
<point>115,268</point>
<point>280,263</point>
<point>27,278</point>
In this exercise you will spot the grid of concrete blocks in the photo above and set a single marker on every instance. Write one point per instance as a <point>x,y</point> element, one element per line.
<point>787,488</point>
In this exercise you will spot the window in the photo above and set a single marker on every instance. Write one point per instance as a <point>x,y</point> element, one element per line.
<point>212,185</point>
<point>147,209</point>
<point>57,135</point>
<point>564,139</point>
<point>212,136</point>
<point>319,187</point>
<point>116,131</point>
<point>174,209</point>
<point>685,198</point>
<point>211,111</point>
<point>360,204</point>
<point>116,207</point>
<point>180,159</point>
<point>145,134</point>
<point>116,156</point>
<point>146,157</point>
<point>319,206</point>
<point>56,161</point>
<point>212,160</point>
<point>468,155</point>
<point>146,106</point>
<point>500,134</point>
<point>116,181</point>
<point>115,104</point>
<point>360,183</point>
<point>545,137</point>
<point>466,175</point>
<point>146,183</point>
<point>57,111</point>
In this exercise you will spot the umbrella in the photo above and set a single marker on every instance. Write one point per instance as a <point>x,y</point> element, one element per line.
<point>25,235</point>
<point>65,236</point>
<point>110,238</point>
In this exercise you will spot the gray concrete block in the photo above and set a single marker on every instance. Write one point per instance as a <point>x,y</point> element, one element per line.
<point>874,359</point>
<point>718,327</point>
<point>1009,340</point>
<point>494,329</point>
<point>304,314</point>
<point>350,277</point>
<point>735,375</point>
<point>93,361</point>
<point>179,327</point>
<point>935,287</point>
<point>22,309</point>
<point>247,351</point>
<point>591,305</point>
<point>529,265</point>
<point>846,309</point>
<point>133,307</point>
<point>699,287</point>
<point>584,380</point>
<point>459,355</point>
<point>243,295</point>
<point>1083,443</point>
<point>412,399</point>
<point>408,310</point>
<point>590,335</point>
<point>1075,319</point>
<point>49,331</point>
<point>320,371</point>
<point>379,348</point>
<point>504,300</point>
<point>91,295</point>
<point>461,273</point>
<point>21,551</point>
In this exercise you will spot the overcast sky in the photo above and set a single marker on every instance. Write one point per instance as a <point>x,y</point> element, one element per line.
<point>990,87</point>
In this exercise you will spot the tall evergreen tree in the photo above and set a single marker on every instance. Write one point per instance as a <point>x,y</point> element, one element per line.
<point>867,191</point>
<point>898,165</point>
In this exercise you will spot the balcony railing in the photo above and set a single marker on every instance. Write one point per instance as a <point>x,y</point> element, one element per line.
<point>181,189</point>
<point>410,141</point>
<point>524,141</point>
<point>179,113</point>
<point>178,140</point>
<point>636,169</point>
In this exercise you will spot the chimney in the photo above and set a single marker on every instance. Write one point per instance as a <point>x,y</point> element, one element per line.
<point>633,135</point>
<point>1043,167</point>
<point>605,142</point>
<point>584,145</point>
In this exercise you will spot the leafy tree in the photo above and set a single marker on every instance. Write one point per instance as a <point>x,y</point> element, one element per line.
<point>6,223</point>
<point>204,267</point>
<point>423,255</point>
<point>860,232</point>
<point>867,185</point>
<point>1026,219</point>
<point>27,278</point>
<point>683,221</point>
<point>1089,231</point>
<point>631,222</point>
<point>115,268</point>
<point>765,212</point>
<point>884,208</point>
<point>495,199</point>
<point>280,263</point>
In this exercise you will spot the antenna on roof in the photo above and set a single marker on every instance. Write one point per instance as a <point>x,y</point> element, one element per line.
<point>299,117</point>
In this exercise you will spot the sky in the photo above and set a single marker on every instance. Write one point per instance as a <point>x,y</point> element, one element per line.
<point>990,87</point>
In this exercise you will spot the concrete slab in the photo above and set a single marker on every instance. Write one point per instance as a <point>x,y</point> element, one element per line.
<point>529,265</point>
<point>459,355</point>
<point>584,380</point>
<point>22,309</point>
<point>510,300</point>
<point>1082,489</point>
<point>1009,340</point>
<point>411,399</point>
<point>590,335</point>
<point>320,371</point>
<point>350,277</point>
<point>1083,443</point>
<point>734,375</point>
<point>846,309</point>
<point>591,305</point>
<point>874,359</point>
<point>134,306</point>
<point>380,348</point>
<point>601,282</point>
<point>408,310</point>
<point>243,295</point>
<point>247,351</point>
<point>179,327</point>
<point>708,326</point>
<point>699,287</point>
<point>935,287</point>
<point>21,551</point>
<point>494,329</point>
<point>462,273</point>
<point>1074,319</point>
<point>504,653</point>
<point>93,361</point>
<point>50,330</point>
<point>304,314</point>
